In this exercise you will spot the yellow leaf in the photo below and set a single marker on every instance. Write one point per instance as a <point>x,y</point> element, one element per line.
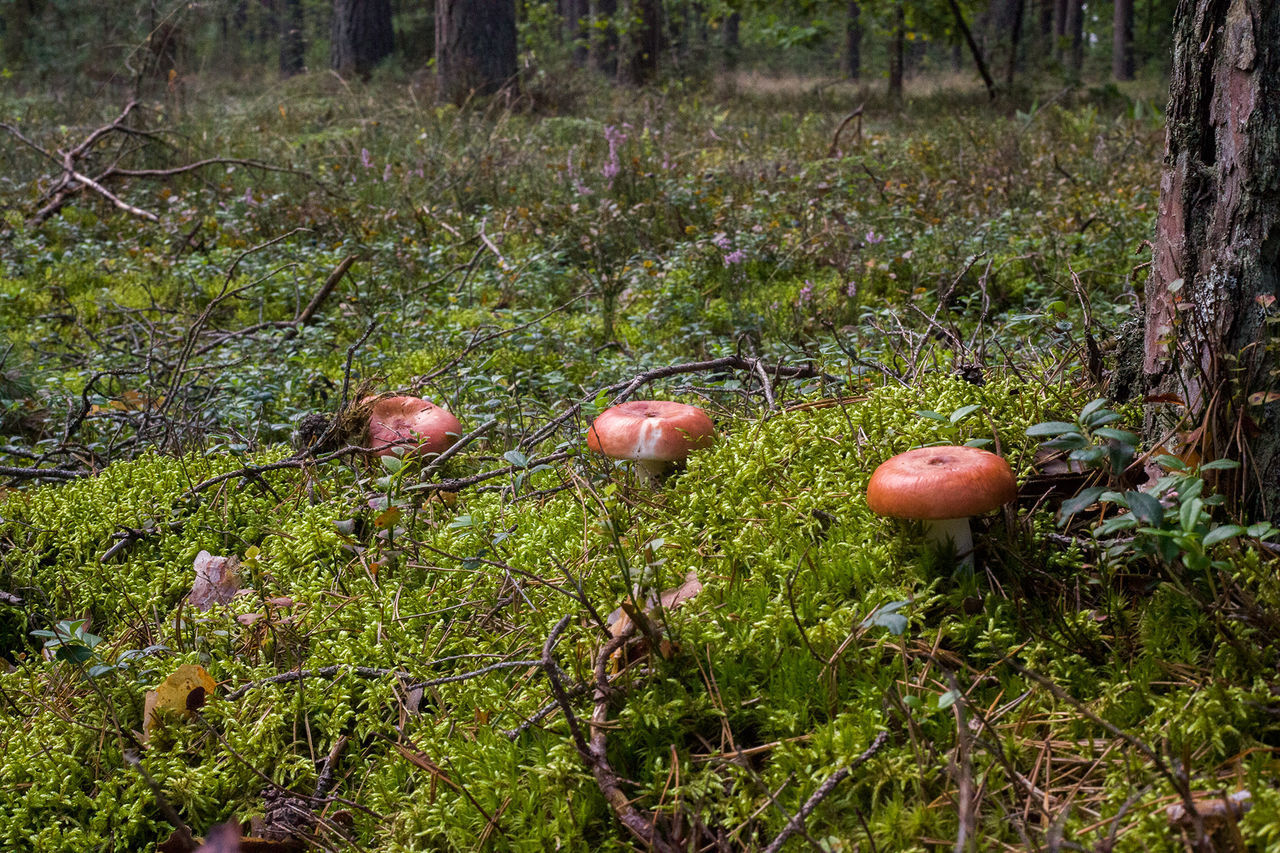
<point>183,692</point>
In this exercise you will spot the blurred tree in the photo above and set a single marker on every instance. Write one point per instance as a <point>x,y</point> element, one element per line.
<point>1210,351</point>
<point>360,36</point>
<point>475,47</point>
<point>1122,41</point>
<point>853,41</point>
<point>293,45</point>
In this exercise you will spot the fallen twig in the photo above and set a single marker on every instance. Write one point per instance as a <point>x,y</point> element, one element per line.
<point>797,821</point>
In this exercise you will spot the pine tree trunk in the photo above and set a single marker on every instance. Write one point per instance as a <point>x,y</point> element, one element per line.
<point>1059,30</point>
<point>853,41</point>
<point>732,40</point>
<point>1216,267</point>
<point>1075,36</point>
<point>604,36</point>
<point>360,36</point>
<point>292,45</point>
<point>1015,38</point>
<point>576,14</point>
<point>1122,41</point>
<point>475,47</point>
<point>896,44</point>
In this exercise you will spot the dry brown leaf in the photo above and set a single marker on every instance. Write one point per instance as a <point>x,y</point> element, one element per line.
<point>217,580</point>
<point>619,622</point>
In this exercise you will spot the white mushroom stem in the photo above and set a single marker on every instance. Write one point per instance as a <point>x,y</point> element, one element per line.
<point>952,533</point>
<point>651,472</point>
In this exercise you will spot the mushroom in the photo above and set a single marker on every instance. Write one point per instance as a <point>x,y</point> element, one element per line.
<point>655,433</point>
<point>942,486</point>
<point>416,424</point>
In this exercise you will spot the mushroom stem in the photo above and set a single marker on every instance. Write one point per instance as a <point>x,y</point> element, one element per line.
<point>952,533</point>
<point>651,472</point>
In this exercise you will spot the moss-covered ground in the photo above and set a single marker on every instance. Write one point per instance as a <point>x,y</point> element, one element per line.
<point>951,274</point>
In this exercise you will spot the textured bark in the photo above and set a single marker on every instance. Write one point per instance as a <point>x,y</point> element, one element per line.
<point>1122,40</point>
<point>475,47</point>
<point>360,35</point>
<point>292,45</point>
<point>973,47</point>
<point>896,39</point>
<point>853,41</point>
<point>1216,266</point>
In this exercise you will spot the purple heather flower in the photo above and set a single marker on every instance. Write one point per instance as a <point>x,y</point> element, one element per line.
<point>806,293</point>
<point>737,256</point>
<point>365,159</point>
<point>872,238</point>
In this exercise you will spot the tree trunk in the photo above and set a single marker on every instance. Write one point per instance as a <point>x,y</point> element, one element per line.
<point>292,45</point>
<point>1015,39</point>
<point>1075,36</point>
<point>646,41</point>
<point>576,15</point>
<point>1209,342</point>
<point>973,48</point>
<point>853,41</point>
<point>1060,30</point>
<point>475,47</point>
<point>360,36</point>
<point>896,40</point>
<point>604,38</point>
<point>1122,41</point>
<point>732,40</point>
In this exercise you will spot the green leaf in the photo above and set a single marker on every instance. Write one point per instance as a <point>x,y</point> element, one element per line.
<point>1085,499</point>
<point>1121,435</point>
<point>1189,513</point>
<point>391,464</point>
<point>964,412</point>
<point>888,617</point>
<point>516,458</point>
<point>1220,465</point>
<point>1221,533</point>
<point>1146,508</point>
<point>1049,428</point>
<point>925,413</point>
<point>946,700</point>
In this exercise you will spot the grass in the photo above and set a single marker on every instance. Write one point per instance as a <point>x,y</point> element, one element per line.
<point>512,264</point>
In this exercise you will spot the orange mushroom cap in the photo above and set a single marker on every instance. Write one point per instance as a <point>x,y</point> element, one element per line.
<point>393,420</point>
<point>932,483</point>
<point>651,431</point>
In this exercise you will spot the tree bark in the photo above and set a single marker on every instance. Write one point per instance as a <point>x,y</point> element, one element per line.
<point>853,41</point>
<point>360,35</point>
<point>292,45</point>
<point>732,40</point>
<point>475,47</point>
<point>576,14</point>
<point>1075,36</point>
<point>604,36</point>
<point>1122,40</point>
<point>1059,30</point>
<point>896,44</point>
<point>1209,341</point>
<point>1016,8</point>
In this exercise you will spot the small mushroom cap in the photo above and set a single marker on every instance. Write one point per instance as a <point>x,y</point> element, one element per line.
<point>932,483</point>
<point>651,431</point>
<point>395,419</point>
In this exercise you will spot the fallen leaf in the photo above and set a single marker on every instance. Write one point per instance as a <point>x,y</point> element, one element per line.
<point>1214,811</point>
<point>183,692</point>
<point>217,580</point>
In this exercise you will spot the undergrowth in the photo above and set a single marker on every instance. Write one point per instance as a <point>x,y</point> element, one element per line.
<point>937,282</point>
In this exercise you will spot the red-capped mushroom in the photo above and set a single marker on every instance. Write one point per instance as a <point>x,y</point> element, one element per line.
<point>419,426</point>
<point>942,486</point>
<point>654,433</point>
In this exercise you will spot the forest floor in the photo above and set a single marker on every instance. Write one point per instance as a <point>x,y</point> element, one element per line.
<point>419,654</point>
